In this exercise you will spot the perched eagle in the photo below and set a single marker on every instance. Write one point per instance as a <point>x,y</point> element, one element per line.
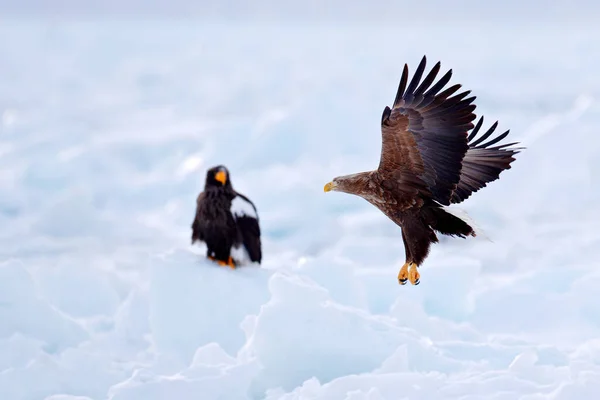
<point>227,221</point>
<point>428,161</point>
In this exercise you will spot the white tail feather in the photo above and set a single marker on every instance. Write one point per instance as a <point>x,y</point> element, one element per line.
<point>462,214</point>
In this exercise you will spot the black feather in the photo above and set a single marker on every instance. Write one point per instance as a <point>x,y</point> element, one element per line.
<point>485,135</point>
<point>483,164</point>
<point>401,86</point>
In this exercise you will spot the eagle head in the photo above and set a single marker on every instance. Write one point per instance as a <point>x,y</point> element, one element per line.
<point>333,185</point>
<point>217,177</point>
<point>352,184</point>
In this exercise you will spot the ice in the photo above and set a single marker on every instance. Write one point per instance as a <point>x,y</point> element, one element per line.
<point>107,128</point>
<point>192,304</point>
<point>66,397</point>
<point>27,313</point>
<point>90,291</point>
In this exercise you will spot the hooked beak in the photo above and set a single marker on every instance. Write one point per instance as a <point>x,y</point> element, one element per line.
<point>329,187</point>
<point>221,177</point>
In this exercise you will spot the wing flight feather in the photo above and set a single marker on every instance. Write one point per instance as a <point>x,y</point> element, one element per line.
<point>424,134</point>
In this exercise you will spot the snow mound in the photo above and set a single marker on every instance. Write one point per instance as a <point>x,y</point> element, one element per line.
<point>26,312</point>
<point>193,303</point>
<point>255,333</point>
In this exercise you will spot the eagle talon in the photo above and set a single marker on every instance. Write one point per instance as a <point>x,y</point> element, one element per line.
<point>413,274</point>
<point>231,263</point>
<point>403,274</point>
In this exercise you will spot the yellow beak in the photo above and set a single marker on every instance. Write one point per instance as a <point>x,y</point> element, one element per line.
<point>221,177</point>
<point>328,187</point>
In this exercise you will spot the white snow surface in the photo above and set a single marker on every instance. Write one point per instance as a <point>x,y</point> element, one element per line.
<point>108,128</point>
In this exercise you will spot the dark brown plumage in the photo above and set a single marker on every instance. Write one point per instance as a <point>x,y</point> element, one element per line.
<point>428,161</point>
<point>227,221</point>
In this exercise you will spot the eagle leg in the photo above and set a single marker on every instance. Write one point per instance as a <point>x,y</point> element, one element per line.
<point>403,274</point>
<point>418,237</point>
<point>413,274</point>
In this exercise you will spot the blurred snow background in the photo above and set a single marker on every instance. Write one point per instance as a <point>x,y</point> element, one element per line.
<point>107,127</point>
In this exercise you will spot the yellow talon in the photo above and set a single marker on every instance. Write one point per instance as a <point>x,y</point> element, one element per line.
<point>403,274</point>
<point>230,263</point>
<point>413,274</point>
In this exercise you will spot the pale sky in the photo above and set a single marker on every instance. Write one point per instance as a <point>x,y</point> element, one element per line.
<point>396,11</point>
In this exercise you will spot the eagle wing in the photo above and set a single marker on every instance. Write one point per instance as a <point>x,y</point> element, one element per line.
<point>483,163</point>
<point>424,135</point>
<point>197,234</point>
<point>246,218</point>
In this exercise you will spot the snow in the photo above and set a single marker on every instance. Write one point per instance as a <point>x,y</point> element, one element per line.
<point>108,128</point>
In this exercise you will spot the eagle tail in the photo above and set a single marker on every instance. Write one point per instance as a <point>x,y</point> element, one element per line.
<point>449,221</point>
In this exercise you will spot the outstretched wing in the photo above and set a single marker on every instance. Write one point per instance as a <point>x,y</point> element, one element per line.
<point>246,217</point>
<point>424,135</point>
<point>482,163</point>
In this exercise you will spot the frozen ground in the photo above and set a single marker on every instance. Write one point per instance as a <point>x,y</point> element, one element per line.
<point>107,129</point>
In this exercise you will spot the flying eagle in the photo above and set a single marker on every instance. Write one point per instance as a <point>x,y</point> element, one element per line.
<point>428,161</point>
<point>227,221</point>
